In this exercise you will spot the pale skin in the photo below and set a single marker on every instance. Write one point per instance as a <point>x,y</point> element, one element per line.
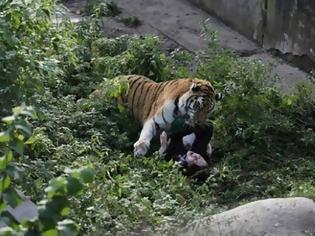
<point>191,159</point>
<point>194,159</point>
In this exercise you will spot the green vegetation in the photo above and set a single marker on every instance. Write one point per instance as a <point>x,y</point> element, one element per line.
<point>53,209</point>
<point>264,140</point>
<point>131,21</point>
<point>100,8</point>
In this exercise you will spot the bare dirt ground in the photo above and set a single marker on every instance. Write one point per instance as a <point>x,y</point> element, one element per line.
<point>178,24</point>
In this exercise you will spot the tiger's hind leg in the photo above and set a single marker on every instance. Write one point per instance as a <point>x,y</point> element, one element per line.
<point>148,131</point>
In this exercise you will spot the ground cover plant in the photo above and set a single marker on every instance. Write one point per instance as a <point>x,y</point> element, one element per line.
<point>101,8</point>
<point>264,140</point>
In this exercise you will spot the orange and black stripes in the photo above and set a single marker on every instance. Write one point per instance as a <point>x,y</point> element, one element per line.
<point>146,97</point>
<point>147,93</point>
<point>140,89</point>
<point>134,86</point>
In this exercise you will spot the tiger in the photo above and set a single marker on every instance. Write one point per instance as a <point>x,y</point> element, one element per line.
<point>157,104</point>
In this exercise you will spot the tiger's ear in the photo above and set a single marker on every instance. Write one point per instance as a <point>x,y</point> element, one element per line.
<point>218,96</point>
<point>194,87</point>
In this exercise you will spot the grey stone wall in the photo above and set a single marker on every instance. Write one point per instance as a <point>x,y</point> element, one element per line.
<point>285,25</point>
<point>290,27</point>
<point>244,15</point>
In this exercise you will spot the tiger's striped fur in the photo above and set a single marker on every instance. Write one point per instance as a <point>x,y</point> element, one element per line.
<point>156,105</point>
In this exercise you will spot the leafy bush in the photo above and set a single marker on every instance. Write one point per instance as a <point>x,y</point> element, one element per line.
<point>99,8</point>
<point>136,55</point>
<point>131,21</point>
<point>33,51</point>
<point>55,207</point>
<point>259,131</point>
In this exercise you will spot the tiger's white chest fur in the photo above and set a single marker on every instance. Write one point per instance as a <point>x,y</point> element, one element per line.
<point>186,105</point>
<point>165,116</point>
<point>162,120</point>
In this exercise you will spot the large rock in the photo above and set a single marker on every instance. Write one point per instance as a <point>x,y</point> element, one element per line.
<point>283,217</point>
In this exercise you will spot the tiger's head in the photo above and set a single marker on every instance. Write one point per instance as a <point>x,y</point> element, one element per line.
<point>199,101</point>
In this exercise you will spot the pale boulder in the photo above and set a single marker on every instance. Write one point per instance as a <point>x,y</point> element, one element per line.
<point>279,216</point>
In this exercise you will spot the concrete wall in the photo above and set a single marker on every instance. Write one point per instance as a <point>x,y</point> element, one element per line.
<point>285,25</point>
<point>244,15</point>
<point>290,27</point>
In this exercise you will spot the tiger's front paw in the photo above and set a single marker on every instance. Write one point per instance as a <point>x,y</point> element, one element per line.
<point>141,147</point>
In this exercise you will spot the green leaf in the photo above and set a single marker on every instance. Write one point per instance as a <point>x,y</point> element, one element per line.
<point>14,172</point>
<point>65,211</point>
<point>16,19</point>
<point>3,163</point>
<point>32,139</point>
<point>67,227</point>
<point>8,120</point>
<point>58,203</point>
<point>29,112</point>
<point>51,232</point>
<point>4,137</point>
<point>4,183</point>
<point>47,215</point>
<point>12,197</point>
<point>17,145</point>
<point>24,110</point>
<point>121,108</point>
<point>3,206</point>
<point>7,231</point>
<point>17,110</point>
<point>73,172</point>
<point>4,160</point>
<point>46,11</point>
<point>56,187</point>
<point>73,185</point>
<point>24,127</point>
<point>87,175</point>
<point>9,156</point>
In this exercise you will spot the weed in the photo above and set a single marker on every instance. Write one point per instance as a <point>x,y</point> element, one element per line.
<point>131,21</point>
<point>100,8</point>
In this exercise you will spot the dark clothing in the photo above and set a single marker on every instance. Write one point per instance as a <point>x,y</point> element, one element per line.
<point>203,136</point>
